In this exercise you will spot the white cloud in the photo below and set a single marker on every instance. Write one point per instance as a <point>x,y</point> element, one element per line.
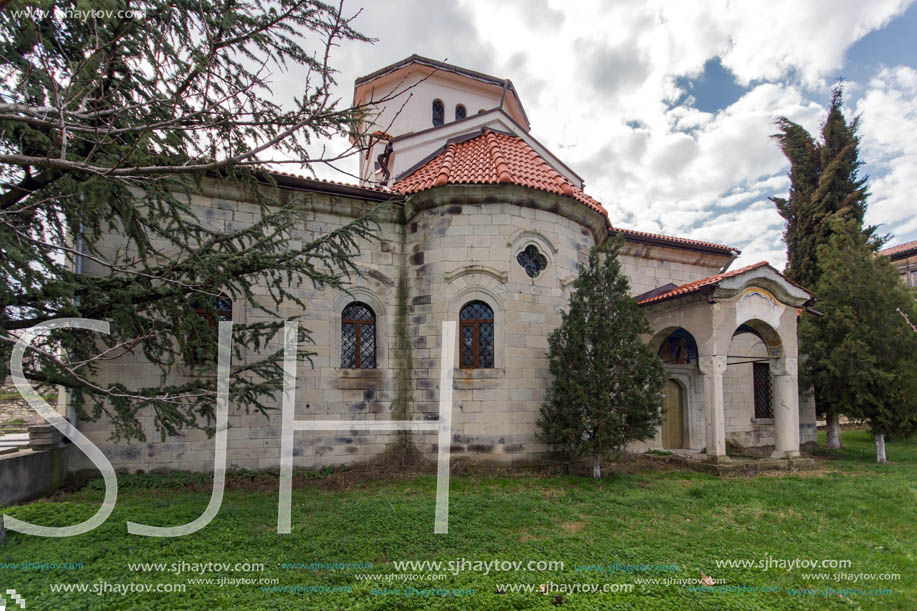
<point>599,83</point>
<point>888,112</point>
<point>681,169</point>
<point>771,38</point>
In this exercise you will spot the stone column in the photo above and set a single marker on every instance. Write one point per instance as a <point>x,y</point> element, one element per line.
<point>786,408</point>
<point>712,368</point>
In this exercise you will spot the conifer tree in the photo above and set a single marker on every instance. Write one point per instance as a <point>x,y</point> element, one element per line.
<point>824,184</point>
<point>607,383</point>
<point>866,351</point>
<point>111,122</point>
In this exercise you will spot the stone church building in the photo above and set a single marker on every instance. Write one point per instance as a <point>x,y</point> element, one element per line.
<point>490,230</point>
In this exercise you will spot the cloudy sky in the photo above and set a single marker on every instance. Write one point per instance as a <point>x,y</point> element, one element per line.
<point>666,108</point>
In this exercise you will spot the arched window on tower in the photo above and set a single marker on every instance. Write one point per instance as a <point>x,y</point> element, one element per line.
<point>476,333</point>
<point>460,112</point>
<point>439,113</point>
<point>358,337</point>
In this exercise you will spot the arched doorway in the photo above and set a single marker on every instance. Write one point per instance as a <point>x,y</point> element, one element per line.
<point>673,421</point>
<point>677,350</point>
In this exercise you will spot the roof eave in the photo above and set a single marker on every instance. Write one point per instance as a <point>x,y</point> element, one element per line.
<point>901,254</point>
<point>318,186</point>
<point>674,243</point>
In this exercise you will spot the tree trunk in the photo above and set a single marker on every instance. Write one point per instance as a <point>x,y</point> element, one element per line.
<point>880,448</point>
<point>2,530</point>
<point>596,467</point>
<point>834,431</point>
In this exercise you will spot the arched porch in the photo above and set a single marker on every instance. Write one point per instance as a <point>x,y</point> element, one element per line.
<point>754,302</point>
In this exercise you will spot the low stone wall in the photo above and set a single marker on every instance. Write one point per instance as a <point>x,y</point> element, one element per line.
<point>15,413</point>
<point>28,475</point>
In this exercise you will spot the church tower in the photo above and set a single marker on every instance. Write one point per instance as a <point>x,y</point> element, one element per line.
<point>417,104</point>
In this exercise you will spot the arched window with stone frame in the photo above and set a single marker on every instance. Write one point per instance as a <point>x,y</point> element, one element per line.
<point>358,336</point>
<point>476,336</point>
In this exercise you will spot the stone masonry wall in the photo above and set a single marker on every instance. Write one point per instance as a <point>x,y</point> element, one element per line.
<point>461,246</point>
<point>324,390</point>
<point>438,251</point>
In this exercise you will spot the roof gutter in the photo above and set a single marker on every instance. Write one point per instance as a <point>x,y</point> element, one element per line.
<point>901,254</point>
<point>808,308</point>
<point>735,255</point>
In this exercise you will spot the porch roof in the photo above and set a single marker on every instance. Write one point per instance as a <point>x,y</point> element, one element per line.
<point>712,282</point>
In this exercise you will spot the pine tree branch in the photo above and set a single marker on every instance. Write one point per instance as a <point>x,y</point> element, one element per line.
<point>908,320</point>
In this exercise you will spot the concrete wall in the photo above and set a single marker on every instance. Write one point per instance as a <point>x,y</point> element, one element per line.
<point>28,475</point>
<point>808,433</point>
<point>324,390</point>
<point>451,246</point>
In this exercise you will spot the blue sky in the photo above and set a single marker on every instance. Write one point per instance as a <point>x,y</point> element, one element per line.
<point>666,109</point>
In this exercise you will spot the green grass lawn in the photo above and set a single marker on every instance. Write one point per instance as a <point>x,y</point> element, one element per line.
<point>848,509</point>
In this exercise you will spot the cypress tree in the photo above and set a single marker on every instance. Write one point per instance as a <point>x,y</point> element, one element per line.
<point>865,351</point>
<point>607,383</point>
<point>824,184</point>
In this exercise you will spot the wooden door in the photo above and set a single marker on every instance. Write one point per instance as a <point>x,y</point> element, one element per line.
<point>673,430</point>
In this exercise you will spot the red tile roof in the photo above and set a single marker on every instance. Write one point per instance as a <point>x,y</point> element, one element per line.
<point>672,239</point>
<point>492,158</point>
<point>899,249</point>
<point>693,287</point>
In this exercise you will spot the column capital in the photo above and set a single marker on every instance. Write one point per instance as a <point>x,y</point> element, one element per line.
<point>712,365</point>
<point>785,366</point>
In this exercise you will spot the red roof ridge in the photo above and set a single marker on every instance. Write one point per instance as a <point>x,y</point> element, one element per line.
<point>496,154</point>
<point>445,168</point>
<point>562,183</point>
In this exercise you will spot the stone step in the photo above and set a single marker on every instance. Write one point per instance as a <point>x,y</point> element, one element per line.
<point>39,429</point>
<point>54,435</point>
